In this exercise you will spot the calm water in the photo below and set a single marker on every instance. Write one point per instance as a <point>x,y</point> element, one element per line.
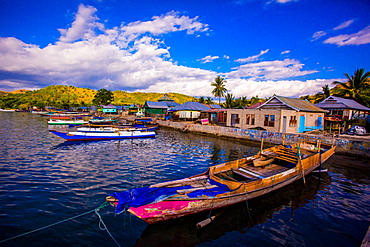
<point>44,180</point>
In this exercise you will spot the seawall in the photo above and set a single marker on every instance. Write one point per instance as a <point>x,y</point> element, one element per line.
<point>351,145</point>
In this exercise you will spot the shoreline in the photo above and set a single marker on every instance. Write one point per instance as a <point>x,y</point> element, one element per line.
<point>346,145</point>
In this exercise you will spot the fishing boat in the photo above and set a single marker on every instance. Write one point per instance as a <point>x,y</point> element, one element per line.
<point>66,122</point>
<point>102,121</point>
<point>224,184</point>
<point>103,135</point>
<point>113,128</point>
<point>7,110</point>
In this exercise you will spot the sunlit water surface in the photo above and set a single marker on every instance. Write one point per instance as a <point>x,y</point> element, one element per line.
<point>44,180</point>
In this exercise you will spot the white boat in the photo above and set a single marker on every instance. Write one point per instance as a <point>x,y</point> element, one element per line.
<point>66,122</point>
<point>7,110</point>
<point>107,135</point>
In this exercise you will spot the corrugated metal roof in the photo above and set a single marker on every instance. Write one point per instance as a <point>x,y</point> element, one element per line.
<point>157,105</point>
<point>165,98</point>
<point>214,106</point>
<point>255,105</point>
<point>191,106</point>
<point>280,102</point>
<point>333,102</point>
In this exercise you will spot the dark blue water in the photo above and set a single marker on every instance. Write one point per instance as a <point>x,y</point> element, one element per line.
<point>44,180</point>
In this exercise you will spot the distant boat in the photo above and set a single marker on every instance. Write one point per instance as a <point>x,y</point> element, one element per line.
<point>102,121</point>
<point>222,185</point>
<point>7,110</point>
<point>66,122</point>
<point>113,128</point>
<point>103,135</point>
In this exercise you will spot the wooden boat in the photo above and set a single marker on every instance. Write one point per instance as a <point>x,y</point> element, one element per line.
<point>112,128</point>
<point>263,161</point>
<point>66,122</point>
<point>102,121</point>
<point>7,110</point>
<point>222,185</point>
<point>103,135</point>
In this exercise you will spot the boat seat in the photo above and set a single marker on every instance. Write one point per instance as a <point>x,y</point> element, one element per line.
<point>249,173</point>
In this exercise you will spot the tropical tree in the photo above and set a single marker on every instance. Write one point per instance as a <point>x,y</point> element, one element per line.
<point>255,99</point>
<point>209,101</point>
<point>103,97</point>
<point>241,102</point>
<point>326,92</point>
<point>357,87</point>
<point>201,100</point>
<point>229,101</point>
<point>219,89</point>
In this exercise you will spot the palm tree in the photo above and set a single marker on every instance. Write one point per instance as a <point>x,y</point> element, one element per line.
<point>209,101</point>
<point>229,101</point>
<point>326,92</point>
<point>219,89</point>
<point>357,87</point>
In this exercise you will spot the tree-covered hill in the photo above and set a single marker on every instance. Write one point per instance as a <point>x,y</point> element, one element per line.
<point>69,96</point>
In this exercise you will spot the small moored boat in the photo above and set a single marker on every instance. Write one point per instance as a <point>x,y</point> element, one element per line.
<point>103,135</point>
<point>224,184</point>
<point>66,122</point>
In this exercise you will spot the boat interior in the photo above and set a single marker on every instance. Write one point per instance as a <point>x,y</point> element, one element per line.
<point>268,163</point>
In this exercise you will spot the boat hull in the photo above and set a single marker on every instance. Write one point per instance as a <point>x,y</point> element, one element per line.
<point>62,122</point>
<point>89,136</point>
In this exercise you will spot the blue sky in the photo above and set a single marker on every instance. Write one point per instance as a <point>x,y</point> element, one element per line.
<point>262,47</point>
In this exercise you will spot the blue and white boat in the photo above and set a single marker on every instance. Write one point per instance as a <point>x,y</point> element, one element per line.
<point>103,135</point>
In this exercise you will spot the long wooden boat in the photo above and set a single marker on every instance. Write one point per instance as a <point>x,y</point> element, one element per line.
<point>222,185</point>
<point>103,135</point>
<point>66,122</point>
<point>114,128</point>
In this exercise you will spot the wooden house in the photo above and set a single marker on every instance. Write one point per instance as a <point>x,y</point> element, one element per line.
<point>189,110</point>
<point>109,109</point>
<point>279,114</point>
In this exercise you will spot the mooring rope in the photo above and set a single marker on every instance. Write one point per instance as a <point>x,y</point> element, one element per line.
<point>104,228</point>
<point>65,220</point>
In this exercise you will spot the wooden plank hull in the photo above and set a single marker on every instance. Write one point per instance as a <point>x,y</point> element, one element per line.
<point>259,181</point>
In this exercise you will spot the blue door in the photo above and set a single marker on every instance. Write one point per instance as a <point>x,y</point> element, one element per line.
<point>302,120</point>
<point>319,123</point>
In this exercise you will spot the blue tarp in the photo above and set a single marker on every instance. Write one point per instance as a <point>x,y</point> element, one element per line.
<point>141,196</point>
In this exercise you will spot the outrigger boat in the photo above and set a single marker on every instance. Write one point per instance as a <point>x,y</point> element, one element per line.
<point>224,184</point>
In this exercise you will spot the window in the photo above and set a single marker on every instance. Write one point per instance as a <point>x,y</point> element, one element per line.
<point>293,121</point>
<point>249,119</point>
<point>234,119</point>
<point>269,120</point>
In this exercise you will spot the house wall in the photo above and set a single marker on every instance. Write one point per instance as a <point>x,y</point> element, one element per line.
<point>109,110</point>
<point>188,114</point>
<point>155,110</point>
<point>287,121</point>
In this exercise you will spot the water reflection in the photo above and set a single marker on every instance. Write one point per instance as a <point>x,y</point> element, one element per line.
<point>240,217</point>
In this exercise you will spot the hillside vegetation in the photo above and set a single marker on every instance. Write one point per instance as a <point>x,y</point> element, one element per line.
<point>70,96</point>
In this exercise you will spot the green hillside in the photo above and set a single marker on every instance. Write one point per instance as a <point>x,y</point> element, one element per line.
<point>69,96</point>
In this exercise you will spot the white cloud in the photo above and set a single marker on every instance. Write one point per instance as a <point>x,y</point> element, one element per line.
<point>344,24</point>
<point>264,89</point>
<point>171,22</point>
<point>270,70</point>
<point>318,35</point>
<point>83,26</point>
<point>132,58</point>
<point>208,59</point>
<point>359,38</point>
<point>251,58</point>
<point>285,52</point>
<point>280,1</point>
